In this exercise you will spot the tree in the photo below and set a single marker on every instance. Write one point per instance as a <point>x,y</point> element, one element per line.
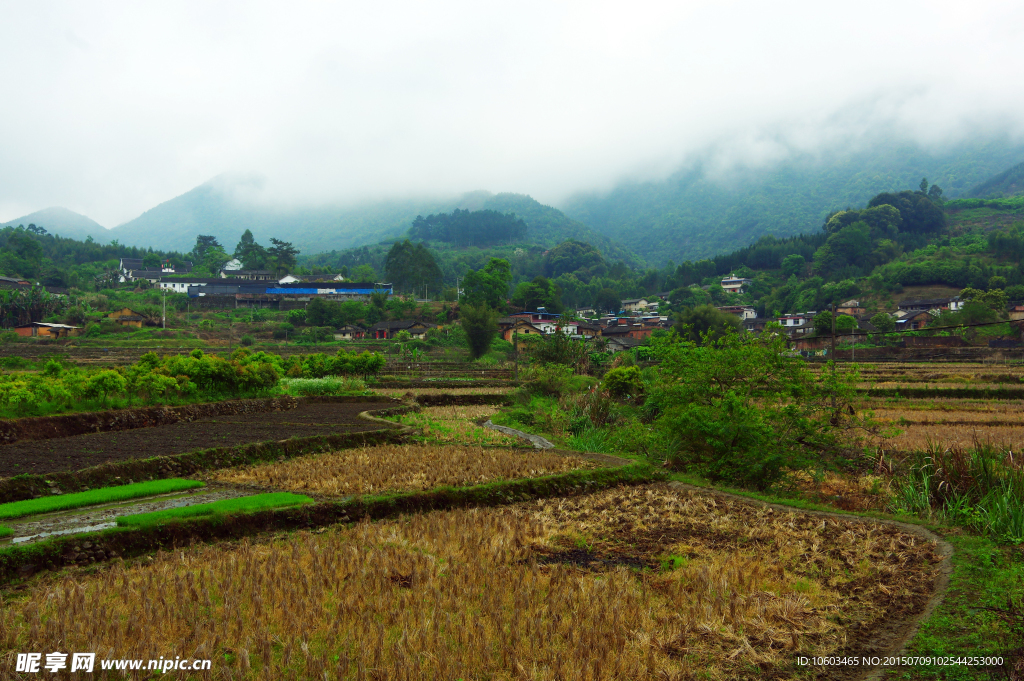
<point>793,265</point>
<point>883,322</point>
<point>823,323</point>
<point>995,300</point>
<point>541,292</point>
<point>204,243</point>
<point>576,257</point>
<point>705,322</point>
<point>918,213</point>
<point>489,284</point>
<point>481,227</point>
<point>846,323</point>
<point>252,255</point>
<point>151,261</point>
<point>996,282</point>
<point>282,253</point>
<point>412,267</point>
<point>608,300</point>
<point>480,324</point>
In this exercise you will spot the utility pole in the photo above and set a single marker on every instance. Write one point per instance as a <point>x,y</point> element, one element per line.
<point>833,332</point>
<point>165,309</point>
<point>515,348</point>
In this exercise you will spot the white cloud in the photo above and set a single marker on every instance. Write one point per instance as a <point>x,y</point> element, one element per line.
<point>111,108</point>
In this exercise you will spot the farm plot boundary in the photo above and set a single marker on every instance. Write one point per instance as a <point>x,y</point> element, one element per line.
<point>23,561</point>
<point>125,471</point>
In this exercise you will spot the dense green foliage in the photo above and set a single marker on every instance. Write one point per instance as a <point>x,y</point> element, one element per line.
<point>740,410</point>
<point>169,380</point>
<point>105,495</point>
<point>697,213</point>
<point>256,502</point>
<point>488,285</point>
<point>1007,183</point>
<point>411,267</point>
<point>469,228</point>
<point>479,323</point>
<point>41,257</point>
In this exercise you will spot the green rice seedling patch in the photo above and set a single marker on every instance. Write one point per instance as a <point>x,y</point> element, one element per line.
<point>104,495</point>
<point>256,502</point>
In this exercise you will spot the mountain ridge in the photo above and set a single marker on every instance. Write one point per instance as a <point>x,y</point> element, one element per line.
<point>62,222</point>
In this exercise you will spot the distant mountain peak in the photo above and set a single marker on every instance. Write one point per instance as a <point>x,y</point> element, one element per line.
<point>62,222</point>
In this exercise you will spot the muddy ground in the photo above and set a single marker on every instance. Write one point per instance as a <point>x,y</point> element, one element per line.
<point>81,451</point>
<point>39,527</point>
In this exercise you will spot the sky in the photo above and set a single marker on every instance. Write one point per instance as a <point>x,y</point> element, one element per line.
<point>110,108</point>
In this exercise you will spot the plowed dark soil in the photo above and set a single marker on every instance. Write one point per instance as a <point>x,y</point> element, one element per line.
<point>81,451</point>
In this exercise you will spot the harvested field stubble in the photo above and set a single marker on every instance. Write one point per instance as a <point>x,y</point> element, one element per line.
<point>496,594</point>
<point>399,468</point>
<point>926,437</point>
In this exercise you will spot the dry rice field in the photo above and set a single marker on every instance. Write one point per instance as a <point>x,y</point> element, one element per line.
<point>398,468</point>
<point>631,583</point>
<point>925,424</point>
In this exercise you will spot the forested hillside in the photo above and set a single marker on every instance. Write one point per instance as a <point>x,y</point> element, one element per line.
<point>63,222</point>
<point>220,207</point>
<point>694,214</point>
<point>1006,183</point>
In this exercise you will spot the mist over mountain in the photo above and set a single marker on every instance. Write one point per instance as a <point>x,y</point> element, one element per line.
<point>62,222</point>
<point>225,207</point>
<point>698,212</point>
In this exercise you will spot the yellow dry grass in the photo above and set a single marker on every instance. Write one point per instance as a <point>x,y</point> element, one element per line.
<point>995,415</point>
<point>455,424</point>
<point>923,437</point>
<point>477,594</point>
<point>399,468</point>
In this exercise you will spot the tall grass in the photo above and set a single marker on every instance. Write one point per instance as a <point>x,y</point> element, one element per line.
<point>105,495</point>
<point>334,385</point>
<point>981,487</point>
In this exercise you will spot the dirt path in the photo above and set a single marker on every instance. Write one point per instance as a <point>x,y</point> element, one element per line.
<point>892,637</point>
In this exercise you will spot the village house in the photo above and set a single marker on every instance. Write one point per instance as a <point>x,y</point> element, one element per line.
<point>44,330</point>
<point>635,304</point>
<point>734,284</point>
<point>249,275</point>
<point>851,307</point>
<point>388,330</point>
<point>797,324</point>
<point>349,332</point>
<point>913,320</point>
<point>519,330</point>
<point>741,311</point>
<point>620,343</point>
<point>128,317</point>
<point>952,304</point>
<point>586,312</point>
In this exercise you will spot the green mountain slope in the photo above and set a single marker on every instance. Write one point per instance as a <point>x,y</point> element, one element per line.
<point>63,222</point>
<point>214,208</point>
<point>692,215</point>
<point>1006,183</point>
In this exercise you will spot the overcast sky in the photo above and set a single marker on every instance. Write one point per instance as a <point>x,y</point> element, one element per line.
<point>109,108</point>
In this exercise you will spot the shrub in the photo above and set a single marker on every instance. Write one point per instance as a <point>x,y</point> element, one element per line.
<point>297,317</point>
<point>548,379</point>
<point>623,382</point>
<point>740,409</point>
